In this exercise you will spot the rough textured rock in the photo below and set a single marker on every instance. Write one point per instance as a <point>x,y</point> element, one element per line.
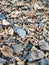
<point>7,51</point>
<point>17,48</point>
<point>43,45</point>
<point>19,31</point>
<point>35,55</point>
<point>24,32</point>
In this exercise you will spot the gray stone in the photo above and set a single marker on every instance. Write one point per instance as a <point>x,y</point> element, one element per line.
<point>43,45</point>
<point>3,61</point>
<point>17,48</point>
<point>21,32</point>
<point>43,62</point>
<point>11,40</point>
<point>35,55</point>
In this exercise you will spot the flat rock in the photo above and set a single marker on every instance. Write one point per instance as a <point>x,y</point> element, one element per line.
<point>17,48</point>
<point>3,61</point>
<point>35,55</point>
<point>7,51</point>
<point>43,45</point>
<point>43,62</point>
<point>21,32</point>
